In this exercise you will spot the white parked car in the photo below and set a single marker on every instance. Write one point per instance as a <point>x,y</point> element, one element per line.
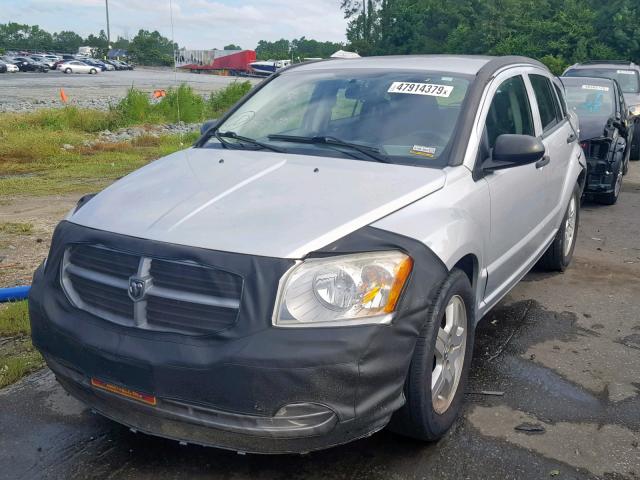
<point>76,66</point>
<point>11,68</point>
<point>314,267</point>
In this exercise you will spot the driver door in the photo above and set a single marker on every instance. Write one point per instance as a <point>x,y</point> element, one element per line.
<point>518,194</point>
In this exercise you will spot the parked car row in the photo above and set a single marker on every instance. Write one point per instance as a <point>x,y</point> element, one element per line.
<point>66,63</point>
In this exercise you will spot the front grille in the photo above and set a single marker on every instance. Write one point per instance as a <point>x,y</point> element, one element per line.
<point>176,296</point>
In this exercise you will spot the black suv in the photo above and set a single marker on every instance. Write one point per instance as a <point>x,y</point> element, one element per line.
<point>627,74</point>
<point>605,128</point>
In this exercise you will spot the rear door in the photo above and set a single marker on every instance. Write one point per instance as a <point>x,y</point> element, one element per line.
<point>519,204</point>
<point>559,139</point>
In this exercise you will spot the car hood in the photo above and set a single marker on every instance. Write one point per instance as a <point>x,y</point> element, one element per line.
<point>592,127</point>
<point>254,202</point>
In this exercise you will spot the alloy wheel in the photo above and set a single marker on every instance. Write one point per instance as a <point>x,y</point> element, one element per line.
<point>449,355</point>
<point>570,226</point>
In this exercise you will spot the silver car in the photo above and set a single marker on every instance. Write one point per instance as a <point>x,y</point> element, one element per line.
<point>313,269</point>
<point>76,66</point>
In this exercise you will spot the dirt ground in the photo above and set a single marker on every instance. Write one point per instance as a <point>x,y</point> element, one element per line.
<point>562,351</point>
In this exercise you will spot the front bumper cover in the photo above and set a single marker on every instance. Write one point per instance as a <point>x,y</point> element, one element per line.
<point>251,388</point>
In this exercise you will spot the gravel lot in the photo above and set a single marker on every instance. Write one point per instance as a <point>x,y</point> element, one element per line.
<point>25,90</point>
<point>563,349</point>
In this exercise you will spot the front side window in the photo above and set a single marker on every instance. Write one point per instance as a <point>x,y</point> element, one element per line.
<point>407,117</point>
<point>547,103</point>
<point>510,112</point>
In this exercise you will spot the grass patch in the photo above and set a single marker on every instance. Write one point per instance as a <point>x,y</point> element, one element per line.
<point>18,357</point>
<point>16,228</point>
<point>14,367</point>
<point>14,319</point>
<point>34,162</point>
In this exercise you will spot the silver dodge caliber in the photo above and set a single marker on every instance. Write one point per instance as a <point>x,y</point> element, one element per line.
<point>313,268</point>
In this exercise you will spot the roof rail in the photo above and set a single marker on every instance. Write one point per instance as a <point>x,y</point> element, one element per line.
<point>615,62</point>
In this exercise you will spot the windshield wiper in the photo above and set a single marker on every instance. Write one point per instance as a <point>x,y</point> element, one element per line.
<point>222,135</point>
<point>371,152</point>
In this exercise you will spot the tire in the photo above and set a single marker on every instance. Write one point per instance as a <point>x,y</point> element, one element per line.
<point>557,258</point>
<point>67,70</point>
<point>612,197</point>
<point>424,417</point>
<point>635,145</point>
<point>92,71</point>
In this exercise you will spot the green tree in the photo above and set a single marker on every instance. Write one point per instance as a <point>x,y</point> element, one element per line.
<point>66,41</point>
<point>151,48</point>
<point>278,50</point>
<point>231,46</point>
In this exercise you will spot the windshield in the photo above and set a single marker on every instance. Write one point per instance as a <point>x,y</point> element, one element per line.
<point>590,99</point>
<point>405,116</point>
<point>629,80</point>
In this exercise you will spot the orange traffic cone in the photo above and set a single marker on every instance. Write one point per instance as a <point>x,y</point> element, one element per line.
<point>63,96</point>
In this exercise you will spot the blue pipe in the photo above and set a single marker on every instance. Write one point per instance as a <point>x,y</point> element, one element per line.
<point>14,293</point>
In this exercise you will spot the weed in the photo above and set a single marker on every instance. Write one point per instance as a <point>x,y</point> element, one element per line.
<point>181,104</point>
<point>220,101</point>
<point>20,363</point>
<point>14,319</point>
<point>16,228</point>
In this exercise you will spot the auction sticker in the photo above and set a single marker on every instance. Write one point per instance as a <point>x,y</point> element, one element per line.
<point>424,151</point>
<point>595,87</point>
<point>430,89</point>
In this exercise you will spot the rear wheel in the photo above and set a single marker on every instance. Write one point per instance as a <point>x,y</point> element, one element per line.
<point>635,145</point>
<point>435,384</point>
<point>559,254</point>
<point>92,71</point>
<point>67,70</point>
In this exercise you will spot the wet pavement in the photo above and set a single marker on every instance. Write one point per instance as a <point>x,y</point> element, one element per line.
<point>554,392</point>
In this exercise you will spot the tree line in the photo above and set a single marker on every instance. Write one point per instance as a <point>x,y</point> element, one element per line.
<point>149,48</point>
<point>297,48</point>
<point>558,32</point>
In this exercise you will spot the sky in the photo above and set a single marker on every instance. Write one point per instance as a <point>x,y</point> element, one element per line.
<point>198,24</point>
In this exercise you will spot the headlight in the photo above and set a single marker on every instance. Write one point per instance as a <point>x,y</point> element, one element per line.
<point>354,289</point>
<point>634,110</point>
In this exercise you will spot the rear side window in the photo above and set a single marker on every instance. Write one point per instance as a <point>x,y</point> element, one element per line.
<point>510,111</point>
<point>563,103</point>
<point>547,104</point>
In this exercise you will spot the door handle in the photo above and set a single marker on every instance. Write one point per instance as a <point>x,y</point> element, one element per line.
<point>543,161</point>
<point>571,138</point>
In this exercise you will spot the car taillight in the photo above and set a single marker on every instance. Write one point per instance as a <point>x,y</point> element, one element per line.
<point>584,145</point>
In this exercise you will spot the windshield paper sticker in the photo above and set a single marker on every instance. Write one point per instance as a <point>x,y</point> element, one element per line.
<point>424,151</point>
<point>595,87</point>
<point>626,72</point>
<point>430,89</point>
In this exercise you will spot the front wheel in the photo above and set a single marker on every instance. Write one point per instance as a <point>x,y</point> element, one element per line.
<point>93,71</point>
<point>437,376</point>
<point>559,254</point>
<point>67,70</point>
<point>612,197</point>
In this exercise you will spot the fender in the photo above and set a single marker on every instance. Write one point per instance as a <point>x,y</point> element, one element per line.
<point>451,233</point>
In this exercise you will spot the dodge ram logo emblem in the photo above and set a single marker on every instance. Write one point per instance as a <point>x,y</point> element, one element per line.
<point>137,288</point>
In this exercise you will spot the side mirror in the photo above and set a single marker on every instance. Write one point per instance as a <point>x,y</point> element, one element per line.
<point>514,150</point>
<point>208,125</point>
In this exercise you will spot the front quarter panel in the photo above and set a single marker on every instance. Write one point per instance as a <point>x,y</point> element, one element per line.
<point>453,222</point>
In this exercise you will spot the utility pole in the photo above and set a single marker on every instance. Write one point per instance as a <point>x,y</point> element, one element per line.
<point>106,4</point>
<point>364,20</point>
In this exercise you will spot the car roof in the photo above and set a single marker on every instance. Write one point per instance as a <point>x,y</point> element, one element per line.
<point>584,80</point>
<point>462,64</point>
<point>604,64</point>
